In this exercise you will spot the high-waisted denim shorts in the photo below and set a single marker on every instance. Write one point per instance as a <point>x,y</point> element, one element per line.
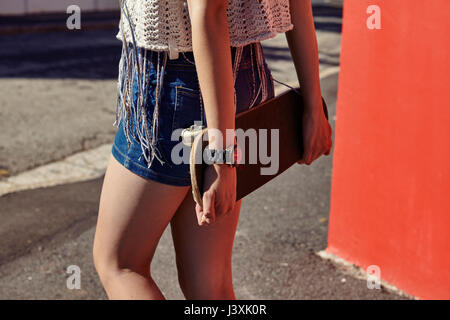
<point>164,96</point>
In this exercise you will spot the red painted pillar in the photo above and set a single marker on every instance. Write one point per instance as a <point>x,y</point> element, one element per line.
<point>390,197</point>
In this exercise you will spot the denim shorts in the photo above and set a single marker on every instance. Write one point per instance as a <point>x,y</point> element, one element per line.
<point>179,106</point>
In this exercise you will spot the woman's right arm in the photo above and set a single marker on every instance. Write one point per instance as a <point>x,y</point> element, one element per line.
<point>212,54</point>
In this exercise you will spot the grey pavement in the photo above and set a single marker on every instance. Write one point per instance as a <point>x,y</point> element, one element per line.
<point>58,94</point>
<point>58,98</point>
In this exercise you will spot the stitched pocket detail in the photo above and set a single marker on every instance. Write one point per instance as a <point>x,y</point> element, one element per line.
<point>187,108</point>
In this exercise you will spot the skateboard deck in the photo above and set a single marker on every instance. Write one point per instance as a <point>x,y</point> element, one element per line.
<point>284,113</point>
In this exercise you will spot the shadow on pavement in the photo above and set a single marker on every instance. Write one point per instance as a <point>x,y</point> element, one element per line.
<point>330,18</point>
<point>90,54</point>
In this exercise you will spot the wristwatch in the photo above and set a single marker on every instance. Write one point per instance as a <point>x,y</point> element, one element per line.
<point>224,156</point>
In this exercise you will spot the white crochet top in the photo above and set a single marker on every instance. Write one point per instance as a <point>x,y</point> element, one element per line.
<point>164,25</point>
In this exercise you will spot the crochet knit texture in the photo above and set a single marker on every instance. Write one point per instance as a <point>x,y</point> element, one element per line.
<point>163,25</point>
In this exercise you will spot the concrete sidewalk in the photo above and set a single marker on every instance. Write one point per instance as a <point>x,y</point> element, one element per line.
<point>61,100</point>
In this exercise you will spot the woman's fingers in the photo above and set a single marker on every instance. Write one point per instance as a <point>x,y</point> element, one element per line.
<point>307,158</point>
<point>313,154</point>
<point>208,207</point>
<point>201,219</point>
<point>314,149</point>
<point>215,209</point>
<point>199,213</point>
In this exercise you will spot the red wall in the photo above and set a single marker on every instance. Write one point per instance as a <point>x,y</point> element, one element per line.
<point>390,197</point>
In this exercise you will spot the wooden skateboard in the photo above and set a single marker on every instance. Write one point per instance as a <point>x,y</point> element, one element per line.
<point>284,113</point>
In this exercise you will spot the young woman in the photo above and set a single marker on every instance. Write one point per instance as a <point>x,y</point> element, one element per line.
<point>182,62</point>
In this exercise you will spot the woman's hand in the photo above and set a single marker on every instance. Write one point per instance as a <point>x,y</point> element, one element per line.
<point>219,193</point>
<point>316,133</point>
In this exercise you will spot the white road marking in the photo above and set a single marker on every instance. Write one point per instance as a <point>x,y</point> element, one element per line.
<point>329,72</point>
<point>81,166</point>
<point>326,72</point>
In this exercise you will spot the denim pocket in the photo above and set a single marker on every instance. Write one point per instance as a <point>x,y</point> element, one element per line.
<point>187,107</point>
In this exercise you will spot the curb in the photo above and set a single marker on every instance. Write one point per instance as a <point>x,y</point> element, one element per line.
<point>359,273</point>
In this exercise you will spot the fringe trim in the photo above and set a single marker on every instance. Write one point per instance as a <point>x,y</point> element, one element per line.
<point>237,61</point>
<point>133,66</point>
<point>261,74</point>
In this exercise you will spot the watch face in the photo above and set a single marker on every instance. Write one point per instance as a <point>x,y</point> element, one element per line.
<point>230,156</point>
<point>214,155</point>
<point>210,156</point>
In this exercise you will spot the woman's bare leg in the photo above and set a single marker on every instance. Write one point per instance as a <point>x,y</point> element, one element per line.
<point>133,214</point>
<point>203,253</point>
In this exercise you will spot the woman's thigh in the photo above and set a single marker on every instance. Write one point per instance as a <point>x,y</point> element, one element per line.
<point>203,253</point>
<point>133,214</point>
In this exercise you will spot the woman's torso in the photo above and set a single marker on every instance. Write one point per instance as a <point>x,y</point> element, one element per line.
<point>164,25</point>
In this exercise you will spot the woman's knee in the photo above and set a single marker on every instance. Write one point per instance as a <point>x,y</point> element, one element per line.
<point>105,267</point>
<point>206,284</point>
<point>109,265</point>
